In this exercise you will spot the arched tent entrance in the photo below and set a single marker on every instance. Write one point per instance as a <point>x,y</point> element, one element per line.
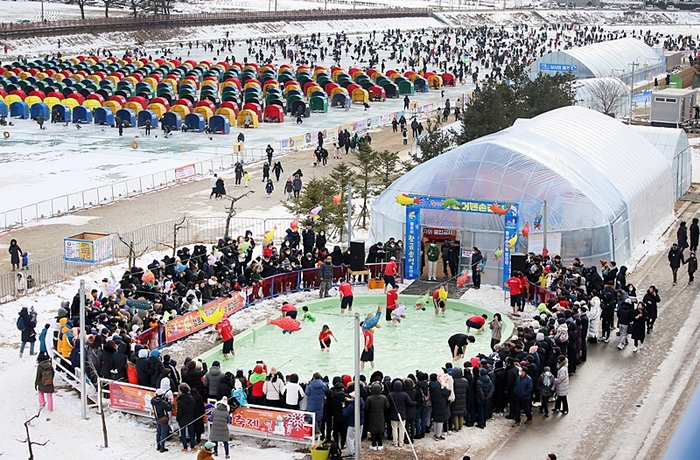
<point>508,213</point>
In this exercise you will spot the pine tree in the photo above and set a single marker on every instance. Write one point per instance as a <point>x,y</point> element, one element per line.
<point>319,191</point>
<point>365,165</point>
<point>436,142</point>
<point>388,165</point>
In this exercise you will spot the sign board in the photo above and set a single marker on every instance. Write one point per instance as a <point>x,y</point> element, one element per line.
<point>554,67</point>
<point>182,326</point>
<point>129,397</point>
<point>535,243</point>
<point>238,147</point>
<point>413,260</point>
<point>88,248</point>
<point>185,172</point>
<point>439,234</point>
<point>275,422</point>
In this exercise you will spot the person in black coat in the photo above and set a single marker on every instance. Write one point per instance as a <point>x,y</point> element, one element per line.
<point>155,368</point>
<point>29,331</point>
<point>411,411</point>
<point>198,415</point>
<point>682,235</point>
<point>460,387</point>
<point>119,361</point>
<point>593,280</point>
<point>651,303</point>
<point>110,348</point>
<point>186,409</point>
<point>499,388</point>
<point>470,418</point>
<point>143,368</point>
<point>399,402</point>
<point>476,272</point>
<point>193,377</point>
<point>638,326</point>
<point>675,259</point>
<point>439,396</point>
<point>15,254</point>
<point>511,377</point>
<point>375,406</point>
<point>694,234</point>
<point>376,253</point>
<point>308,238</point>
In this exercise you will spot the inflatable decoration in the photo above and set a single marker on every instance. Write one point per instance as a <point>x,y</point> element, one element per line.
<point>147,277</point>
<point>423,301</point>
<point>337,198</point>
<point>526,229</point>
<point>463,279</point>
<point>442,293</point>
<point>498,253</point>
<point>499,210</point>
<point>405,200</point>
<point>287,324</point>
<point>294,225</point>
<point>512,242</point>
<point>450,203</point>
<point>314,212</point>
<point>270,235</point>
<point>372,321</point>
<point>214,318</point>
<point>243,247</point>
<point>538,221</point>
<point>398,314</point>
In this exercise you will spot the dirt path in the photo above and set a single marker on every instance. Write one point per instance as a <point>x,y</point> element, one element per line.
<point>45,238</point>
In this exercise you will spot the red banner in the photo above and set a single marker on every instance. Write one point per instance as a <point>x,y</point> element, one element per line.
<point>130,397</point>
<point>288,424</point>
<point>191,322</point>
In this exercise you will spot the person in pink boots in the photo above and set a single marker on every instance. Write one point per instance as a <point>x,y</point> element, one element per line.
<point>43,382</point>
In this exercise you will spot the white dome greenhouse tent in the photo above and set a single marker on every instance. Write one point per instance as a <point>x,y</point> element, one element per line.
<point>606,187</point>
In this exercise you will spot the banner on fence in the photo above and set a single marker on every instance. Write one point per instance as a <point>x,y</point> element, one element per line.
<point>185,172</point>
<point>184,325</point>
<point>132,398</point>
<point>297,141</point>
<point>276,422</point>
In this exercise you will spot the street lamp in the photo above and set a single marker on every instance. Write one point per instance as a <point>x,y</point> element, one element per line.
<point>634,66</point>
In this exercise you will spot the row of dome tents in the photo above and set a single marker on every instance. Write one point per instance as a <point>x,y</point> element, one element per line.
<point>161,87</point>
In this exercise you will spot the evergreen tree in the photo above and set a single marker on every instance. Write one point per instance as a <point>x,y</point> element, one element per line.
<point>365,165</point>
<point>436,142</point>
<point>387,168</point>
<point>498,104</point>
<point>320,191</point>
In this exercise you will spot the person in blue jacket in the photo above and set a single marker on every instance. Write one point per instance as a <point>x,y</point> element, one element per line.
<point>316,392</point>
<point>523,396</point>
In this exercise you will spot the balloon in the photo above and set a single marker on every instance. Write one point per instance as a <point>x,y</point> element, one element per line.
<point>214,318</point>
<point>450,203</point>
<point>442,293</point>
<point>314,212</point>
<point>498,253</point>
<point>243,247</point>
<point>270,235</point>
<point>526,229</point>
<point>513,241</point>
<point>337,198</point>
<point>405,200</point>
<point>295,223</point>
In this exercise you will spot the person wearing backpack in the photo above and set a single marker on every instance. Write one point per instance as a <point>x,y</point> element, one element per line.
<point>545,385</point>
<point>161,411</point>
<point>43,382</point>
<point>26,322</point>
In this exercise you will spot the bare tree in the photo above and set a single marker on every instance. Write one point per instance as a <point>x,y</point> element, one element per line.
<point>177,226</point>
<point>28,439</point>
<point>133,254</point>
<point>607,95</point>
<point>81,4</point>
<point>231,209</point>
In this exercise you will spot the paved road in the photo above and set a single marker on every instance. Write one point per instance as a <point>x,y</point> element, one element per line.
<point>625,405</point>
<point>46,238</point>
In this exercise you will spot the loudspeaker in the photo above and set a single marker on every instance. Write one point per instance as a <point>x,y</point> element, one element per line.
<point>357,256</point>
<point>518,263</point>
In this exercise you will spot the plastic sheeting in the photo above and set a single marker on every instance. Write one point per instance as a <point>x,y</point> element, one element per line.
<point>606,93</point>
<point>674,145</point>
<point>605,185</point>
<point>605,59</point>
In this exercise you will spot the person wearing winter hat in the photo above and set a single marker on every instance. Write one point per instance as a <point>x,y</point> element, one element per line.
<point>218,431</point>
<point>185,417</point>
<point>205,453</point>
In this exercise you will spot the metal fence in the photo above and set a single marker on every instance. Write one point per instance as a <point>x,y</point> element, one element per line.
<point>129,188</point>
<point>92,25</point>
<point>153,237</point>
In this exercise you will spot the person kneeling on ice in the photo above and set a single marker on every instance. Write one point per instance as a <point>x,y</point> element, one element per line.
<point>458,345</point>
<point>289,309</point>
<point>308,316</point>
<point>324,338</point>
<point>477,322</point>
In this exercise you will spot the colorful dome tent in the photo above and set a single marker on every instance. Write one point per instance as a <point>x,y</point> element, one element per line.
<point>82,114</point>
<point>391,90</point>
<point>172,120</point>
<point>297,107</point>
<point>19,109</point>
<point>127,117</point>
<point>318,104</point>
<point>195,122</point>
<point>219,124</point>
<point>406,87</point>
<point>377,93</point>
<point>448,79</point>
<point>104,116</point>
<point>60,113</point>
<point>340,100</point>
<point>145,116</point>
<point>40,109</point>
<point>3,109</point>
<point>435,81</point>
<point>274,114</point>
<point>228,113</point>
<point>251,116</point>
<point>562,156</point>
<point>360,96</point>
<point>421,85</point>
